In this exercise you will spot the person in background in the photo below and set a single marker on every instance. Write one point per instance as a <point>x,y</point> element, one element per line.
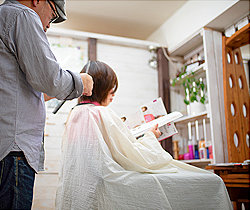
<point>28,70</point>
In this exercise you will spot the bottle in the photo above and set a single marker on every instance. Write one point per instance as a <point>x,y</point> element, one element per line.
<point>202,149</point>
<point>202,153</point>
<point>190,150</point>
<point>210,149</point>
<point>196,152</point>
<point>207,149</point>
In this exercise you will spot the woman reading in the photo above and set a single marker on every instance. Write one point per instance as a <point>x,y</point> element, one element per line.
<point>105,167</point>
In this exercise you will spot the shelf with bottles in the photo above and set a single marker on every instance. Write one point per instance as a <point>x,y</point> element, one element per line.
<point>193,142</point>
<point>197,151</point>
<point>199,154</point>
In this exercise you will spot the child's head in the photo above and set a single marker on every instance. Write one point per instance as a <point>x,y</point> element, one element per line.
<point>105,82</point>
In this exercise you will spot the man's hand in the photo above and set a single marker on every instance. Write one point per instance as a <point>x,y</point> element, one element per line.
<point>156,131</point>
<point>87,84</point>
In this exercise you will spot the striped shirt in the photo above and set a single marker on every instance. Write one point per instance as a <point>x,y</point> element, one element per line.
<point>28,68</point>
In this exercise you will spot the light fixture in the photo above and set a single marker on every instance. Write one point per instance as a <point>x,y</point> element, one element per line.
<point>153,60</point>
<point>152,48</point>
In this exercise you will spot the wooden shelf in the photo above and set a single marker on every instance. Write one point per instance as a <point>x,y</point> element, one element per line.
<point>201,163</point>
<point>197,161</point>
<point>186,119</point>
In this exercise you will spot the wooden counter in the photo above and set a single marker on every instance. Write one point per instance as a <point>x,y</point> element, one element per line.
<point>237,180</point>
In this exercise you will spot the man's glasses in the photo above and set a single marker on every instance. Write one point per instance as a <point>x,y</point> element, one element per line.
<point>55,15</point>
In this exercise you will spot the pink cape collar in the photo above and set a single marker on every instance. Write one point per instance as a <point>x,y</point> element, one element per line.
<point>90,102</point>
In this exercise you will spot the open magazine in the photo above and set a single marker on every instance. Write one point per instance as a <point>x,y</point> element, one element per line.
<point>149,115</point>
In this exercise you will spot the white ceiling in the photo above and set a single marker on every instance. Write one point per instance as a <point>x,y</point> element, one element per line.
<point>134,19</point>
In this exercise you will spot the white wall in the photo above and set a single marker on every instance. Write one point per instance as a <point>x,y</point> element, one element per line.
<point>138,83</point>
<point>188,20</point>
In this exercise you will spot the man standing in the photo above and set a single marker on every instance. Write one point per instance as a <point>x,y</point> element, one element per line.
<point>28,68</point>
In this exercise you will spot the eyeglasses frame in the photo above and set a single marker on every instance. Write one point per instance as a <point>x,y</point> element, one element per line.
<point>54,11</point>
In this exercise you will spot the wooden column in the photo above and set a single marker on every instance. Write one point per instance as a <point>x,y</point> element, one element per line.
<point>92,54</point>
<point>164,91</point>
<point>212,41</point>
<point>163,78</point>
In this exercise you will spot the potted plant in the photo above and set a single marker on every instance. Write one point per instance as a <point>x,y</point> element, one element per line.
<point>194,88</point>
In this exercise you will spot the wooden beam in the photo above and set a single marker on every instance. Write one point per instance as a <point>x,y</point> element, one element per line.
<point>92,54</point>
<point>239,38</point>
<point>163,79</point>
<point>164,90</point>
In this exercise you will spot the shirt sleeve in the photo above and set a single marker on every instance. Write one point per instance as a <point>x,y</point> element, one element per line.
<point>37,62</point>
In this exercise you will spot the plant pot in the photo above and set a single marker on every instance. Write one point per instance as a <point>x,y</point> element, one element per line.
<point>195,108</point>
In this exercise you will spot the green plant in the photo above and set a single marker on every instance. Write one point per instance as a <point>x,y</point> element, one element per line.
<point>194,87</point>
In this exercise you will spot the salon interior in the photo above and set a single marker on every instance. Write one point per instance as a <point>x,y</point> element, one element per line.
<point>190,56</point>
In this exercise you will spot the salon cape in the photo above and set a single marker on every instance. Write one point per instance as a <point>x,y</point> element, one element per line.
<point>105,167</point>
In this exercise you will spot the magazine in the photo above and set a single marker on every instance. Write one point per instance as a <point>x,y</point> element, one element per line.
<point>150,114</point>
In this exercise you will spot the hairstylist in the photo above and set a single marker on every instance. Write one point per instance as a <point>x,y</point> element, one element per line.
<point>28,68</point>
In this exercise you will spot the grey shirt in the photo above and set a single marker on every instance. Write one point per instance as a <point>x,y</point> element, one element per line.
<point>28,68</point>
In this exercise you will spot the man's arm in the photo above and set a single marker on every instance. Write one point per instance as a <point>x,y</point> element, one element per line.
<point>38,63</point>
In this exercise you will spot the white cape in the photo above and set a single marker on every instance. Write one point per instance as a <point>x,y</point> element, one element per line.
<point>105,167</point>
